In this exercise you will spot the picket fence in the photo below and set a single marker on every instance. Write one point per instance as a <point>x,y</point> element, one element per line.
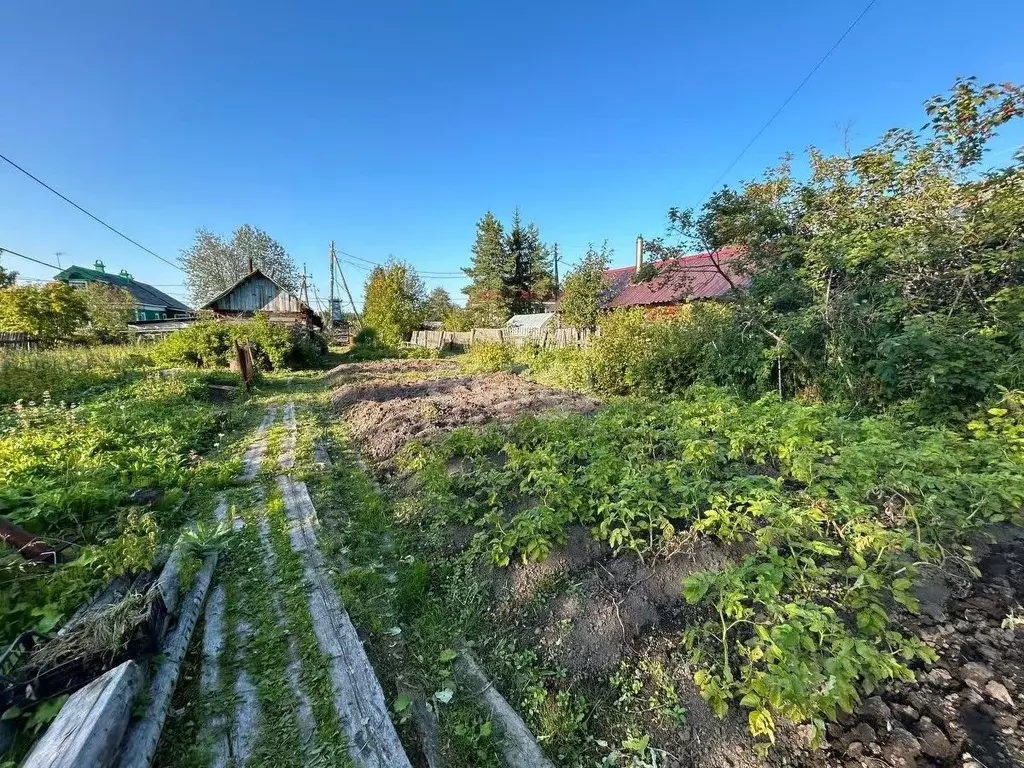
<point>18,340</point>
<point>561,338</point>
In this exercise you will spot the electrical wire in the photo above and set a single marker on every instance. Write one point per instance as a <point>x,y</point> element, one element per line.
<point>92,216</point>
<point>28,258</point>
<point>789,98</point>
<point>426,273</point>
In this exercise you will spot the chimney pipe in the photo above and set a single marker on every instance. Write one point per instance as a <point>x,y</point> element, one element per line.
<point>639,252</point>
<point>252,268</point>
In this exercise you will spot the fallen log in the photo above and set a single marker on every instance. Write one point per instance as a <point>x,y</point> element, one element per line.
<point>141,741</point>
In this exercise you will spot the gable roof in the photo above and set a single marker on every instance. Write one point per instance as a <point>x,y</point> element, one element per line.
<point>682,279</point>
<point>282,293</point>
<point>141,292</point>
<point>244,279</point>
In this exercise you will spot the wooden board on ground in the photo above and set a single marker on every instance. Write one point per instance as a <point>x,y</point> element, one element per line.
<point>515,741</point>
<point>91,724</point>
<point>358,698</point>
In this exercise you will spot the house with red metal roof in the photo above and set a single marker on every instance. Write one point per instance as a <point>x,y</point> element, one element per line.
<point>673,282</point>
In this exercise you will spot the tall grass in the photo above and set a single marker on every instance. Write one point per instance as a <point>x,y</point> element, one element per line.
<point>66,372</point>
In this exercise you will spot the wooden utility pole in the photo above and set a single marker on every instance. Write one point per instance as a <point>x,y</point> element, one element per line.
<point>304,288</point>
<point>344,283</point>
<point>332,284</point>
<point>555,249</point>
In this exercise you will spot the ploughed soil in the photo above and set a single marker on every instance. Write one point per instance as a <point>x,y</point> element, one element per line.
<point>389,404</point>
<point>587,611</point>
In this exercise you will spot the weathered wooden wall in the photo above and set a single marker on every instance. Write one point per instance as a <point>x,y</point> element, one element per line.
<point>259,293</point>
<point>12,340</point>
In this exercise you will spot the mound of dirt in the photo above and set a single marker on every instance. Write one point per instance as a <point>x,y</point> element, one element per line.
<point>966,709</point>
<point>392,369</point>
<point>385,414</point>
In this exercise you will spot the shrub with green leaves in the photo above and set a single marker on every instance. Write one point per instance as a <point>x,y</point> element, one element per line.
<point>210,344</point>
<point>488,357</point>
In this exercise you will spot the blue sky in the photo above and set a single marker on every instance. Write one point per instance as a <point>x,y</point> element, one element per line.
<point>391,127</point>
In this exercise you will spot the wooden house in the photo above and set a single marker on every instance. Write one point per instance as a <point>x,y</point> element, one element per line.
<point>150,302</point>
<point>257,292</point>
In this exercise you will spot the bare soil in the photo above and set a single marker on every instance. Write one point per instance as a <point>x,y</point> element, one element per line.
<point>384,414</point>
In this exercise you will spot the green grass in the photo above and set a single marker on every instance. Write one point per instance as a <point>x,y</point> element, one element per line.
<point>68,373</point>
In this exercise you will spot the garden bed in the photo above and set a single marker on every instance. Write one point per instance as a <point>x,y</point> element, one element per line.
<point>588,558</point>
<point>385,410</point>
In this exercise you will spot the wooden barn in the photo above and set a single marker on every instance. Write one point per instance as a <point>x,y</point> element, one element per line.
<point>257,292</point>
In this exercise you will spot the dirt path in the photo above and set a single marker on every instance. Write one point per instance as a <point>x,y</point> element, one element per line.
<point>283,675</point>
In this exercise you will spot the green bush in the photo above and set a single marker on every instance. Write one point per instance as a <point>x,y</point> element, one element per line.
<point>488,357</point>
<point>210,344</point>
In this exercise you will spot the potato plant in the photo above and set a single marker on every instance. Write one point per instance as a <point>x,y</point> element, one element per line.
<point>837,517</point>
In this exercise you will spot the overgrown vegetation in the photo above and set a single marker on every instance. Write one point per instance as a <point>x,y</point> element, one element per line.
<point>211,344</point>
<point>67,475</point>
<point>67,373</point>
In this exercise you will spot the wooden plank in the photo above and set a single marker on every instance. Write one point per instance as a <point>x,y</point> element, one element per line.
<point>287,458</point>
<point>89,728</point>
<point>515,741</point>
<point>253,458</point>
<point>293,668</point>
<point>358,698</point>
<point>141,741</point>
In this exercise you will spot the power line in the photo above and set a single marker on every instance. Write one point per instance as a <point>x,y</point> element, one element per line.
<point>90,215</point>
<point>426,273</point>
<point>29,258</point>
<point>789,98</point>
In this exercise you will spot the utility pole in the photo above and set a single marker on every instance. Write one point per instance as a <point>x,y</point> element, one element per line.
<point>332,284</point>
<point>555,249</point>
<point>344,283</point>
<point>304,288</point>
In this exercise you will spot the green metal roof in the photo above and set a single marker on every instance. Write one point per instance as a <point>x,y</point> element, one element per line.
<point>143,293</point>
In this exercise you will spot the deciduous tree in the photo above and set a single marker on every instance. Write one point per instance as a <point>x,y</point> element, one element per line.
<point>213,264</point>
<point>584,289</point>
<point>437,305</point>
<point>50,312</point>
<point>393,303</point>
<point>109,309</point>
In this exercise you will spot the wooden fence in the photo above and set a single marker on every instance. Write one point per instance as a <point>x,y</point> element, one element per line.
<point>555,337</point>
<point>19,340</point>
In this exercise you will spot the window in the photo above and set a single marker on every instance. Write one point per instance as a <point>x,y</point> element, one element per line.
<point>78,283</point>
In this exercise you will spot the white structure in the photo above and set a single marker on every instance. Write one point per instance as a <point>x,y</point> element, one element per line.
<point>541,321</point>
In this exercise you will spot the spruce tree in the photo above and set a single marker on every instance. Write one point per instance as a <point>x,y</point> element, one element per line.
<point>488,292</point>
<point>530,281</point>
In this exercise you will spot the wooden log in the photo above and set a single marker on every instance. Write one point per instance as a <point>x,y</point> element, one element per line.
<point>141,741</point>
<point>28,545</point>
<point>91,724</point>
<point>515,741</point>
